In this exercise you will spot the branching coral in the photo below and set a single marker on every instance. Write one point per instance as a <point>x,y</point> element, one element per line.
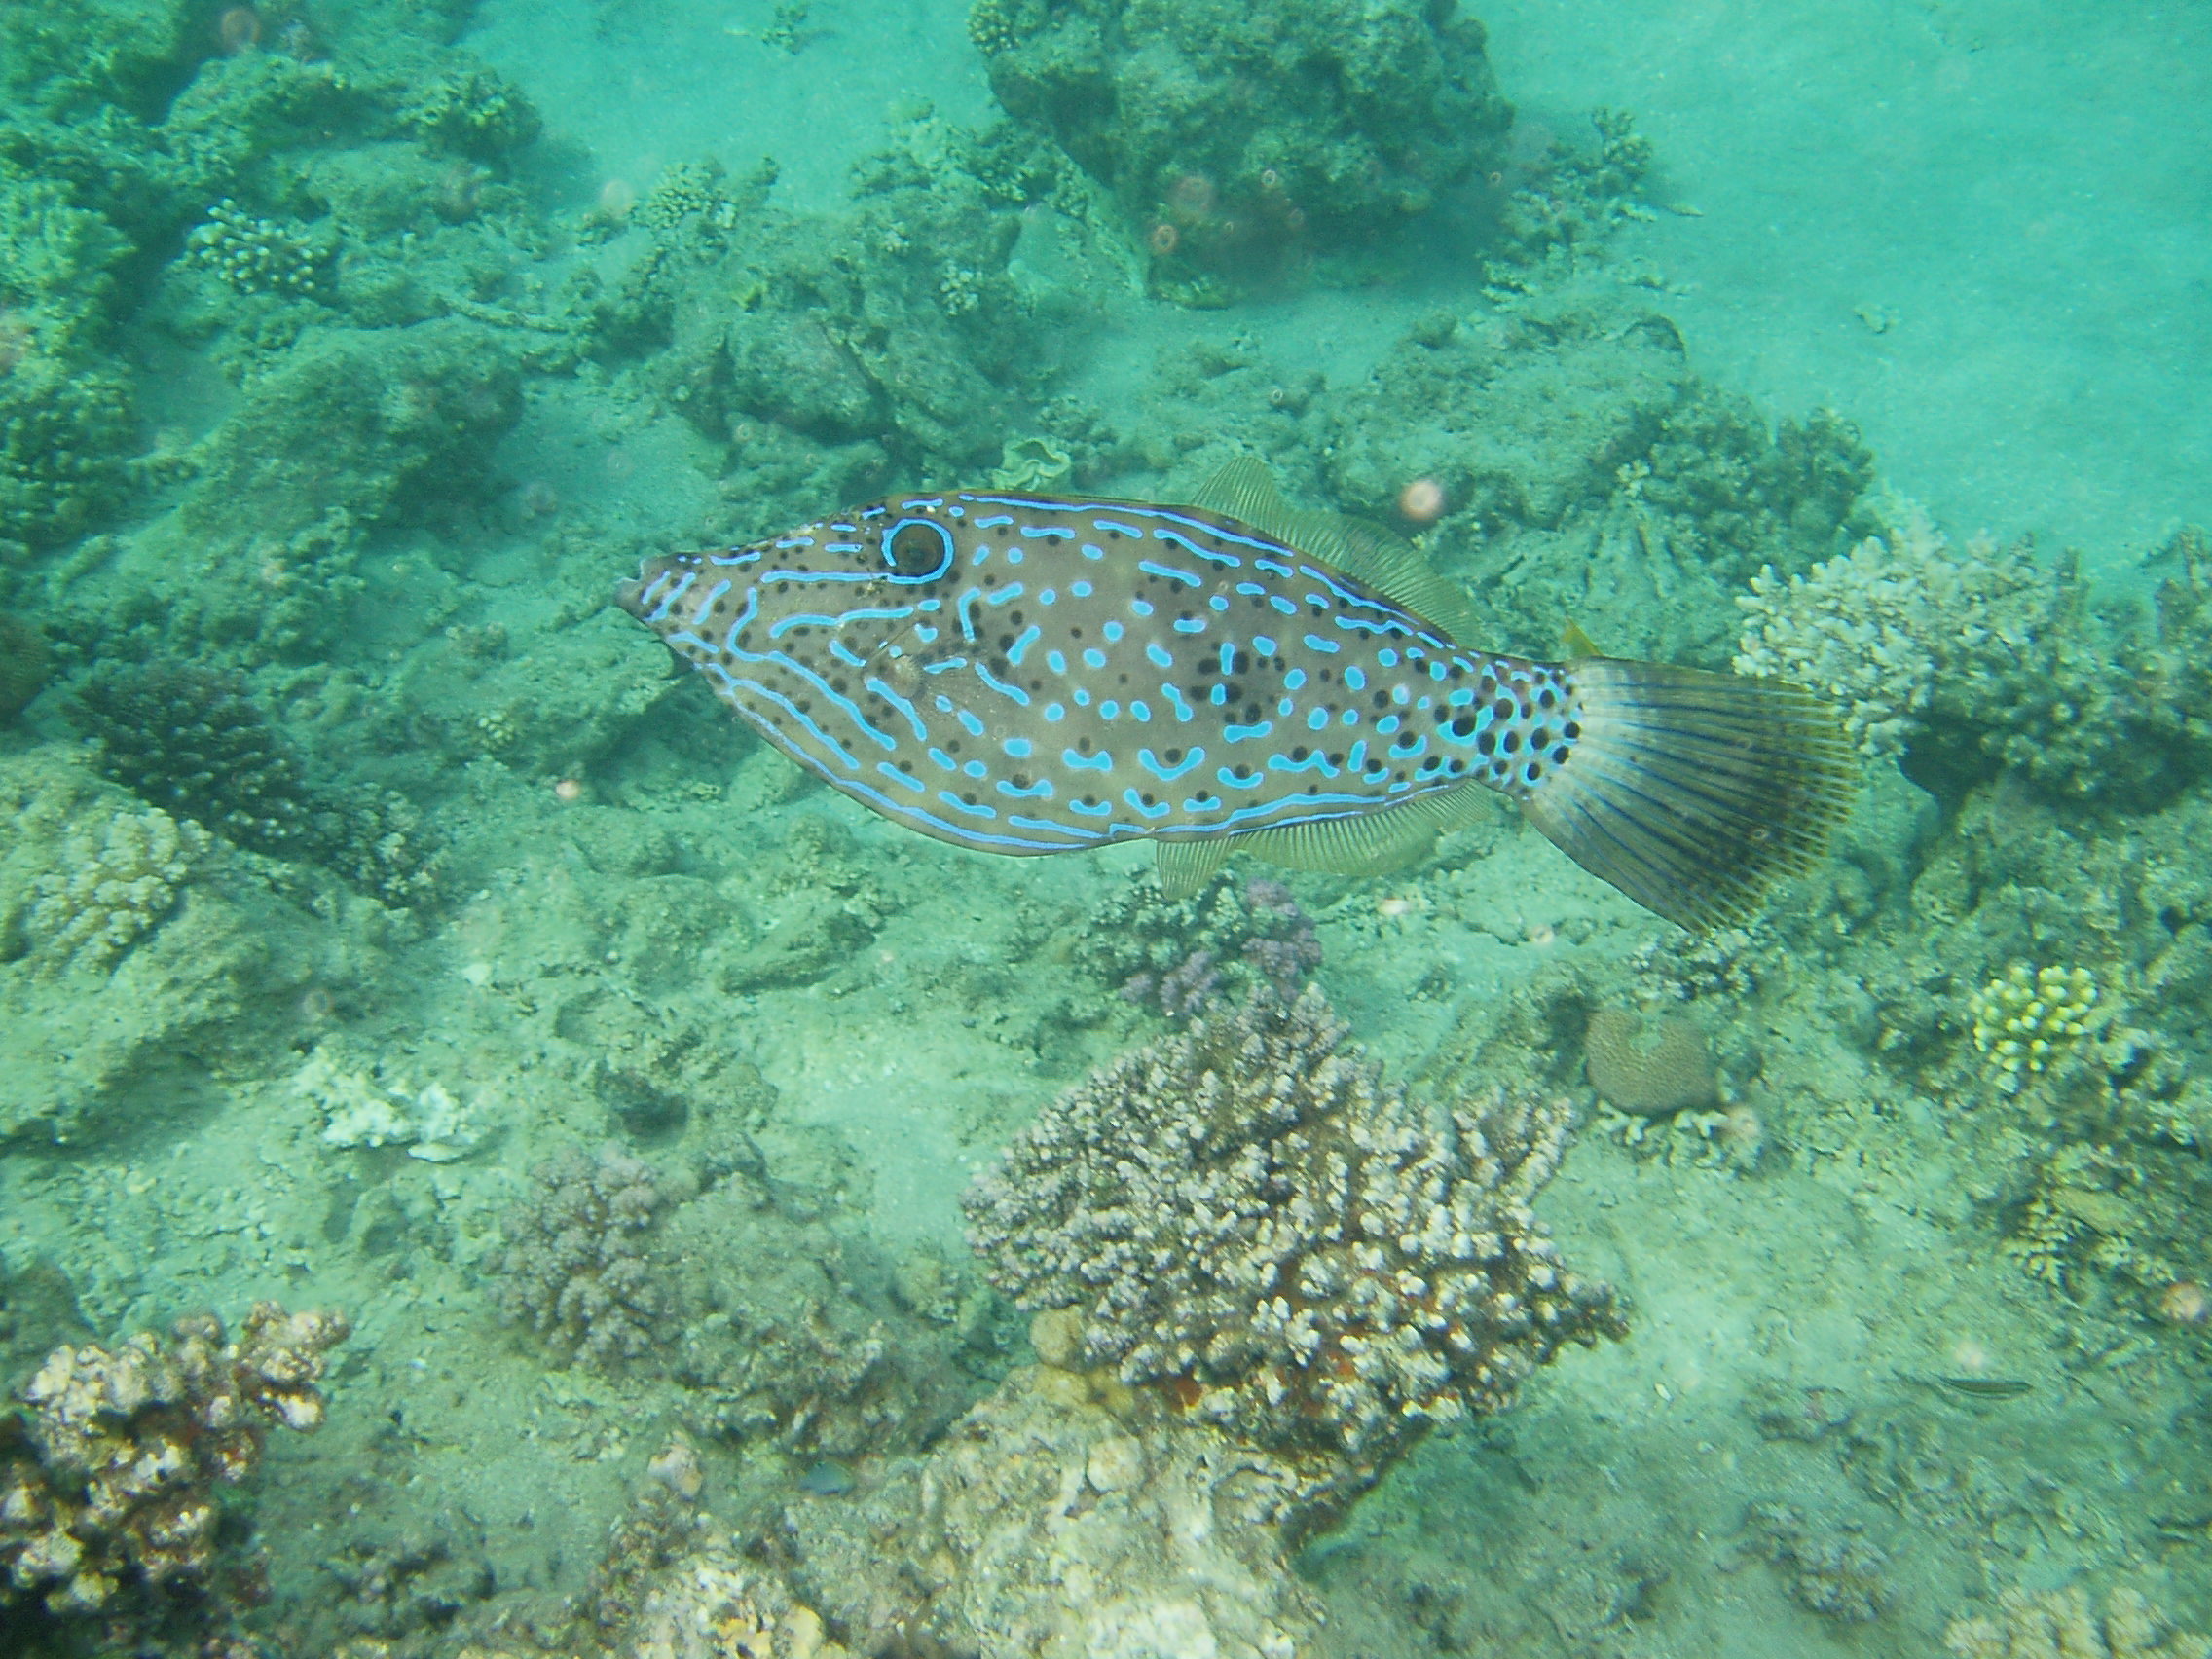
<point>256,256</point>
<point>574,1266</point>
<point>108,1476</point>
<point>1980,653</point>
<point>2023,1019</point>
<point>1247,1216</point>
<point>192,740</point>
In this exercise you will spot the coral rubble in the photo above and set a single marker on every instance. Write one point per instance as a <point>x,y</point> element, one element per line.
<point>2065,1624</point>
<point>108,1475</point>
<point>1250,1218</point>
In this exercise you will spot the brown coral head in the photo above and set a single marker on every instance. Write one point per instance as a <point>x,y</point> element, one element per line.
<point>1651,1065</point>
<point>237,29</point>
<point>26,663</point>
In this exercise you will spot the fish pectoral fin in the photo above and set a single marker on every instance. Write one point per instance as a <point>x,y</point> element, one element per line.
<point>1186,865</point>
<point>1370,843</point>
<point>1366,552</point>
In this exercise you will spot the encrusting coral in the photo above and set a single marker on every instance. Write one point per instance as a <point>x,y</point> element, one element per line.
<point>108,1474</point>
<point>1247,1216</point>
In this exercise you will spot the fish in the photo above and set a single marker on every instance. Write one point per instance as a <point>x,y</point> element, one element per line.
<point>1031,673</point>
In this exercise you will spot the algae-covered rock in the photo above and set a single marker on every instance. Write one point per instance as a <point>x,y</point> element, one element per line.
<point>64,54</point>
<point>141,969</point>
<point>380,424</point>
<point>64,437</point>
<point>1236,136</point>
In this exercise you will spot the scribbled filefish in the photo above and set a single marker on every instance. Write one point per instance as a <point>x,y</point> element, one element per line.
<point>1027,674</point>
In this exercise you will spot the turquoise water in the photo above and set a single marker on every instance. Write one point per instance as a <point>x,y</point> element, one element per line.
<point>703,1216</point>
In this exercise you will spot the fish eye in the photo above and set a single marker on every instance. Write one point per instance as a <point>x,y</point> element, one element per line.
<point>917,550</point>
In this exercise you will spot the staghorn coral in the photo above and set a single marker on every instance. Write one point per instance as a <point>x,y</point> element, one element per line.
<point>118,882</point>
<point>108,1475</point>
<point>2064,1624</point>
<point>574,1268</point>
<point>257,256</point>
<point>1250,1218</point>
<point>1653,1065</point>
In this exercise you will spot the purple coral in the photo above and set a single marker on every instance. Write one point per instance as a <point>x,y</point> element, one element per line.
<point>574,1265</point>
<point>1290,949</point>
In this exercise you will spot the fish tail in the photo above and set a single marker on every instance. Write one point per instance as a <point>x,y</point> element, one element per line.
<point>1693,792</point>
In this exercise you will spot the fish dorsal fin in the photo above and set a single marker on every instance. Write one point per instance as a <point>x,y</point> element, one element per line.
<point>1368,843</point>
<point>1574,642</point>
<point>1366,552</point>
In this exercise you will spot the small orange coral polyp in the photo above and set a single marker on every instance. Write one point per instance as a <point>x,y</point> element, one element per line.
<point>1163,238</point>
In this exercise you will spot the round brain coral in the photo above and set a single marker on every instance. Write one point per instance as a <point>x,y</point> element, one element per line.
<point>1648,1065</point>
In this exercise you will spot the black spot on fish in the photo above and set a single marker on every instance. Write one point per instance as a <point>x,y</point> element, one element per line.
<point>1463,726</point>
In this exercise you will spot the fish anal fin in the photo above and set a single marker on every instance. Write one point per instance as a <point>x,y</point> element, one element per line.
<point>1370,843</point>
<point>1186,865</point>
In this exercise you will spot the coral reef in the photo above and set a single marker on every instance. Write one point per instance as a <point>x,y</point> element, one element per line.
<point>371,423</point>
<point>2025,1016</point>
<point>1178,956</point>
<point>797,1333</point>
<point>64,431</point>
<point>108,1476</point>
<point>257,256</point>
<point>118,883</point>
<point>573,1264</point>
<point>1650,1064</point>
<point>2065,1624</point>
<point>195,742</point>
<point>1251,1219</point>
<point>468,109</point>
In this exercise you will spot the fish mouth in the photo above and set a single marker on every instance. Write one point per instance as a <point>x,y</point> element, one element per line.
<point>629,595</point>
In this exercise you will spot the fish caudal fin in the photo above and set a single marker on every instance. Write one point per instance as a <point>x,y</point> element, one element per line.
<point>1693,792</point>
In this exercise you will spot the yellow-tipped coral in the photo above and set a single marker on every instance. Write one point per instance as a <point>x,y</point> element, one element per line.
<point>2023,1019</point>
